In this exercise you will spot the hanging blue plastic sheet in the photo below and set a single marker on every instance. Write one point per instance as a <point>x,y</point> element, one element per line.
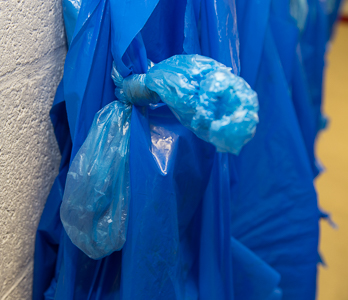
<point>216,105</point>
<point>71,10</point>
<point>202,224</point>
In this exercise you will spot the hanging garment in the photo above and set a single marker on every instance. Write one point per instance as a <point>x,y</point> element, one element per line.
<point>216,105</point>
<point>202,224</point>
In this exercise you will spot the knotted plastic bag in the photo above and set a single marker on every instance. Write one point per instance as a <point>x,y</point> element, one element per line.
<point>218,106</point>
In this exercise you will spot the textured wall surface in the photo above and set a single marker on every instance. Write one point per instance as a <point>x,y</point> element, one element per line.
<point>32,47</point>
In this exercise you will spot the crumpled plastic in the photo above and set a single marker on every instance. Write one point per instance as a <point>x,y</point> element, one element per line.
<point>218,106</point>
<point>94,210</point>
<point>262,200</point>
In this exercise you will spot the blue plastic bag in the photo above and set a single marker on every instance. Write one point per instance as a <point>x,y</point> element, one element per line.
<point>218,106</point>
<point>202,225</point>
<point>94,210</point>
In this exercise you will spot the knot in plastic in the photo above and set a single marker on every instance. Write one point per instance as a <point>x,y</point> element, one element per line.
<point>132,89</point>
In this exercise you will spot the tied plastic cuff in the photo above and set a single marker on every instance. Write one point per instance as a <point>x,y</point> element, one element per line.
<point>132,90</point>
<point>218,106</point>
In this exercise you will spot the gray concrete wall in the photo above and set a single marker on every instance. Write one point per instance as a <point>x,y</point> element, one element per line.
<point>32,48</point>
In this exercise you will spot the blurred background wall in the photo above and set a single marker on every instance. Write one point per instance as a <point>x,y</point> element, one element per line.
<point>32,47</point>
<point>332,185</point>
<point>345,9</point>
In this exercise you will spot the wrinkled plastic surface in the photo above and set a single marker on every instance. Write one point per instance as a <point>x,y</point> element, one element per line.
<point>133,89</point>
<point>202,225</point>
<point>218,106</point>
<point>94,209</point>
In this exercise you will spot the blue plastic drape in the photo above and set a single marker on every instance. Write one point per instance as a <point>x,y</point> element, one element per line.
<point>202,224</point>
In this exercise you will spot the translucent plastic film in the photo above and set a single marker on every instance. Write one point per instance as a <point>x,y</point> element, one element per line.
<point>94,210</point>
<point>218,106</point>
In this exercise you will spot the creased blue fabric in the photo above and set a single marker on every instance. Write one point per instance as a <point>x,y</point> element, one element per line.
<point>200,222</point>
<point>216,105</point>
